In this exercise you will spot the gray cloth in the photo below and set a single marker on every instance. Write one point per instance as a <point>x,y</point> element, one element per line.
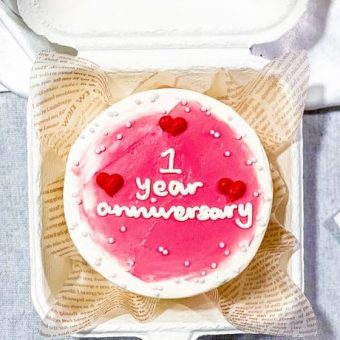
<point>322,236</point>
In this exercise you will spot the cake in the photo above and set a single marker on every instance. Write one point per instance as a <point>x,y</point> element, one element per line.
<point>168,193</point>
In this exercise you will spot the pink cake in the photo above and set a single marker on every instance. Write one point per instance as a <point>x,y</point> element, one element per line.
<point>168,193</point>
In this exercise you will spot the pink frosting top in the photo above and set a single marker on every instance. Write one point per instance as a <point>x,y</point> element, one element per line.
<point>157,248</point>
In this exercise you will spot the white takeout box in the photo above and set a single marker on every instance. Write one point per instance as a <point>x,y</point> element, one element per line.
<point>130,35</point>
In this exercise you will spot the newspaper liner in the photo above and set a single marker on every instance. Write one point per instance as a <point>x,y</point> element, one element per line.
<point>68,92</point>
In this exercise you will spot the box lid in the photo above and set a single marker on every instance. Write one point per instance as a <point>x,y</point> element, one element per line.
<point>160,24</point>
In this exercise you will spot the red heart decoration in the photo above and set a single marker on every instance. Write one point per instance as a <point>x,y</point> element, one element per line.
<point>233,190</point>
<point>166,123</point>
<point>174,126</point>
<point>111,184</point>
<point>224,185</point>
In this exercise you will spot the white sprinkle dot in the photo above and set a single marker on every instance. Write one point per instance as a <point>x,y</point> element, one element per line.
<point>74,195</point>
<point>202,280</point>
<point>154,97</point>
<point>221,245</point>
<point>177,281</point>
<point>186,263</point>
<point>82,137</point>
<point>79,201</point>
<point>165,252</point>
<point>238,137</point>
<point>259,191</point>
<point>114,275</point>
<point>260,168</point>
<point>102,148</point>
<point>110,114</point>
<point>96,124</point>
<point>85,233</point>
<point>208,113</point>
<point>213,265</point>
<point>106,133</point>
<point>203,109</point>
<point>227,252</point>
<point>254,160</point>
<point>187,109</point>
<point>184,102</point>
<point>256,194</point>
<point>164,112</point>
<point>98,258</point>
<point>119,136</point>
<point>212,132</point>
<point>131,263</point>
<point>203,273</point>
<point>217,135</point>
<point>74,224</point>
<point>153,199</point>
<point>242,244</point>
<point>227,153</point>
<point>160,249</point>
<point>249,162</point>
<point>92,130</point>
<point>128,124</point>
<point>98,263</point>
<point>229,118</point>
<point>138,101</point>
<point>76,163</point>
<point>97,151</point>
<point>123,229</point>
<point>111,240</point>
<point>113,114</point>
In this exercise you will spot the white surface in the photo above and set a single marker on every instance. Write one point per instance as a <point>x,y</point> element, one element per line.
<point>169,34</point>
<point>3,88</point>
<point>15,63</point>
<point>12,5</point>
<point>337,219</point>
<point>167,100</point>
<point>130,24</point>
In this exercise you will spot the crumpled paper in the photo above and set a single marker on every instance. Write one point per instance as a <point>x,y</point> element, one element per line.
<point>68,92</point>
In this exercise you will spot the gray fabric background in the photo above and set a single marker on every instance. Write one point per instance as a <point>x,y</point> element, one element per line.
<point>18,320</point>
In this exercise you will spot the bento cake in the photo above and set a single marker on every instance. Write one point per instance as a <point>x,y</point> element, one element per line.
<point>168,193</point>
